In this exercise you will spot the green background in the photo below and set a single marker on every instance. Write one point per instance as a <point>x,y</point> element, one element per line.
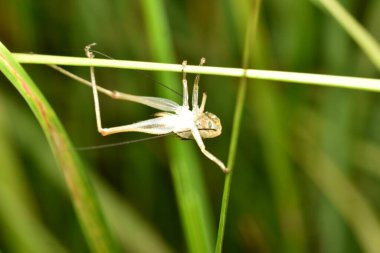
<point>306,176</point>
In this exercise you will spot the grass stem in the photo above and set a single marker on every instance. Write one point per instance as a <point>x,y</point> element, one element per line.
<point>358,83</point>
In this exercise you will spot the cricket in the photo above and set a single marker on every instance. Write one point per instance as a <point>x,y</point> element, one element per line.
<point>194,123</point>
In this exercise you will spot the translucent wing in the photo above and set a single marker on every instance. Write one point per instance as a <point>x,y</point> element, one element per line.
<point>162,104</point>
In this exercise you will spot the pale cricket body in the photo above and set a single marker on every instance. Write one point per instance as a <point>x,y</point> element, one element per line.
<point>173,118</point>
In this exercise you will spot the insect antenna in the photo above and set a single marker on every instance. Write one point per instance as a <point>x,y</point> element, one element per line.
<point>111,145</point>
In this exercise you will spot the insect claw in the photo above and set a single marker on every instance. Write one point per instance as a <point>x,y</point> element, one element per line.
<point>87,49</point>
<point>226,170</point>
<point>184,64</point>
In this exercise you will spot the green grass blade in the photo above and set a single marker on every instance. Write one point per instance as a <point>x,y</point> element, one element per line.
<point>348,82</point>
<point>82,192</point>
<point>364,39</point>
<point>191,195</point>
<point>242,90</point>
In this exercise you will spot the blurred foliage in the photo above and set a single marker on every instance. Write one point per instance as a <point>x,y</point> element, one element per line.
<point>306,177</point>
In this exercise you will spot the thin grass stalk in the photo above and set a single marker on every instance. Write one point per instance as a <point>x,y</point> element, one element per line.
<point>358,33</point>
<point>82,193</point>
<point>358,83</point>
<point>189,187</point>
<point>242,90</point>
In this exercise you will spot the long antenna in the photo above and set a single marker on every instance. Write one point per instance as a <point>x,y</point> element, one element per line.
<point>121,143</point>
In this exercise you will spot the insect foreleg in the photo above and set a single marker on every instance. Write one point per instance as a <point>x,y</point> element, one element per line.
<point>202,147</point>
<point>194,101</point>
<point>185,88</point>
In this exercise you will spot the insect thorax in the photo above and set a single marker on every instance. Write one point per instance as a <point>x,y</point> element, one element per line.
<point>208,124</point>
